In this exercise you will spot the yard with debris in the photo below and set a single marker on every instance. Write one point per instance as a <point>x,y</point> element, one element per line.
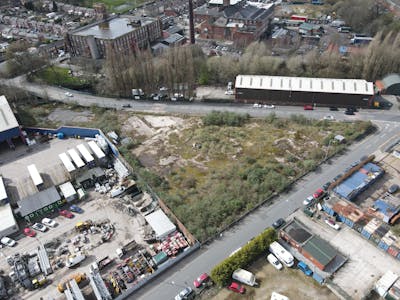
<point>209,175</point>
<point>289,282</point>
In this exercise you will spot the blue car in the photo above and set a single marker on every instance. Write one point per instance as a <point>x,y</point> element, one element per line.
<point>304,268</point>
<point>76,209</point>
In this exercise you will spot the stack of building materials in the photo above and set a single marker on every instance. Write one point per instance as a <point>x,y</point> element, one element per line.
<point>370,228</point>
<point>173,244</point>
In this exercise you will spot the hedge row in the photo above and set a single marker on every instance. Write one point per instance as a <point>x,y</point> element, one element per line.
<point>221,274</point>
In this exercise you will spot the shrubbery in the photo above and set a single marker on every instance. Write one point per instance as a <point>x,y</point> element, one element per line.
<point>225,118</point>
<point>221,273</point>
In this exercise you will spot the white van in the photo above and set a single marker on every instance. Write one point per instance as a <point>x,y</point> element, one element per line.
<point>245,277</point>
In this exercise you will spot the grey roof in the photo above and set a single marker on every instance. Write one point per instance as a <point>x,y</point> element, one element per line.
<point>174,29</point>
<point>247,12</point>
<point>89,174</point>
<point>174,38</point>
<point>391,79</point>
<point>113,28</point>
<point>320,249</point>
<point>210,11</point>
<point>37,201</point>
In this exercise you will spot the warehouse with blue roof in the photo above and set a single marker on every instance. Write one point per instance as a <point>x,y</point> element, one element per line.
<point>359,181</point>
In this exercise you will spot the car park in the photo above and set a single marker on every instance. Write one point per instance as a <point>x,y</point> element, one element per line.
<point>304,268</point>
<point>202,279</point>
<point>237,288</point>
<point>186,293</point>
<point>308,201</point>
<point>39,227</point>
<point>6,241</point>
<point>76,209</point>
<point>49,222</point>
<point>393,189</point>
<point>274,261</point>
<point>66,213</point>
<point>29,232</point>
<point>278,223</point>
<point>332,224</point>
<point>318,194</point>
<point>308,107</point>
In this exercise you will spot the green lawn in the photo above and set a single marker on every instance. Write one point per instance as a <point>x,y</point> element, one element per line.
<point>116,5</point>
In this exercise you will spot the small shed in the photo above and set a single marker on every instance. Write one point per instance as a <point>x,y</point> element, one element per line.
<point>68,191</point>
<point>389,85</point>
<point>160,223</point>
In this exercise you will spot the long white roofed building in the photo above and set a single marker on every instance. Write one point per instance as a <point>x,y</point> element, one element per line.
<point>303,90</point>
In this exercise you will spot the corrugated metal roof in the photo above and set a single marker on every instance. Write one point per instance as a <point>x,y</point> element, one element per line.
<point>320,249</point>
<point>386,281</point>
<point>305,84</point>
<point>39,200</point>
<point>67,189</point>
<point>7,118</point>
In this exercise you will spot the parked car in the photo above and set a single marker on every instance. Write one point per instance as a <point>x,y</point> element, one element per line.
<point>39,227</point>
<point>29,232</point>
<point>332,224</point>
<point>308,107</point>
<point>278,223</point>
<point>333,108</point>
<point>349,112</point>
<point>304,268</point>
<point>203,278</point>
<point>6,241</point>
<point>329,118</point>
<point>393,189</point>
<point>126,105</point>
<point>49,222</point>
<point>257,105</point>
<point>271,106</point>
<point>308,201</point>
<point>337,177</point>
<point>66,213</point>
<point>237,288</point>
<point>274,261</point>
<point>68,94</point>
<point>186,293</point>
<point>76,209</point>
<point>326,185</point>
<point>318,194</point>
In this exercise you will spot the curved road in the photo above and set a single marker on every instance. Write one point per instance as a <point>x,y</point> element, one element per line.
<point>167,285</point>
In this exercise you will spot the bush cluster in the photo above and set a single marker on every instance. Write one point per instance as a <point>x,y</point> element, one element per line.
<point>218,118</point>
<point>221,273</point>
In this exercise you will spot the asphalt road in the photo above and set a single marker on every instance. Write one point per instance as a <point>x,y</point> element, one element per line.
<point>167,285</point>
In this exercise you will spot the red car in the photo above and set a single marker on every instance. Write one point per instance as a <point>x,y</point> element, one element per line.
<point>237,288</point>
<point>318,193</point>
<point>308,107</point>
<point>200,280</point>
<point>66,213</point>
<point>29,232</point>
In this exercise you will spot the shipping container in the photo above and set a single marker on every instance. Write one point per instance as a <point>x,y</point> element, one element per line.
<point>318,278</point>
<point>393,251</point>
<point>383,245</point>
<point>365,234</point>
<point>348,222</point>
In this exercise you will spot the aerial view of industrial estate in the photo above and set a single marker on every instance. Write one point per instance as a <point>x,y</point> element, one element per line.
<point>199,149</point>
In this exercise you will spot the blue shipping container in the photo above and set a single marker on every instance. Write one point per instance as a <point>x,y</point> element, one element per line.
<point>318,278</point>
<point>340,218</point>
<point>383,245</point>
<point>365,234</point>
<point>349,223</point>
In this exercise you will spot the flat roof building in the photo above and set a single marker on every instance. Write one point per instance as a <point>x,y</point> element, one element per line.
<point>160,223</point>
<point>119,34</point>
<point>9,127</point>
<point>303,90</point>
<point>8,225</point>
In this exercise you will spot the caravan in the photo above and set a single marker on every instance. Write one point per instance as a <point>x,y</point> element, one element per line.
<point>282,254</point>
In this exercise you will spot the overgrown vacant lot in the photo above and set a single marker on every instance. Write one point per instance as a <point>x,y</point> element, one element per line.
<point>214,173</point>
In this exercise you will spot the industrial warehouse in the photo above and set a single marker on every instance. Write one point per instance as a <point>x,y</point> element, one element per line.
<point>302,90</point>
